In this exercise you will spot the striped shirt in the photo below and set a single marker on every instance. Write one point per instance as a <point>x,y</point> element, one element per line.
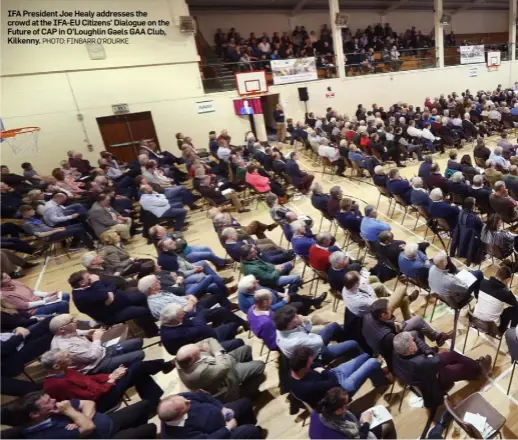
<point>504,240</point>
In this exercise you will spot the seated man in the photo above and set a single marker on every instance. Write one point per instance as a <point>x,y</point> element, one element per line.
<point>160,207</point>
<point>502,203</point>
<point>435,179</point>
<point>260,318</point>
<point>311,384</point>
<point>197,415</point>
<point>36,227</point>
<point>207,366</point>
<point>414,263</point>
<point>94,264</point>
<point>371,226</point>
<point>319,199</point>
<point>106,390</point>
<point>445,283</point>
<point>419,196</point>
<point>290,218</point>
<point>87,354</point>
<point>210,191</point>
<point>157,299</point>
<point>193,275</point>
<point>440,209</point>
<point>333,155</point>
<point>190,252</point>
<point>301,240</point>
<point>248,286</point>
<point>457,185</point>
<point>44,417</point>
<point>397,186</point>
<point>391,249</point>
<point>103,302</point>
<point>320,252</point>
<point>496,302</point>
<point>54,212</point>
<point>434,374</point>
<point>349,217</point>
<point>380,178</point>
<point>26,300</point>
<point>102,217</point>
<point>294,330</point>
<point>359,294</point>
<point>267,250</point>
<point>380,326</point>
<point>180,327</point>
<point>267,274</point>
<point>339,265</point>
<point>364,162</point>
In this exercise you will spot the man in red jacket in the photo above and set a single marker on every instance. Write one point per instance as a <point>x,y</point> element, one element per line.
<point>106,390</point>
<point>319,253</point>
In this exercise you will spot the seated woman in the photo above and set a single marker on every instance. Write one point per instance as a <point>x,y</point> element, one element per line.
<point>66,184</point>
<point>263,184</point>
<point>333,419</point>
<point>467,168</point>
<point>494,233</point>
<point>117,259</point>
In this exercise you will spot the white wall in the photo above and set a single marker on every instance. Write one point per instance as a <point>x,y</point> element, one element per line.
<point>400,20</point>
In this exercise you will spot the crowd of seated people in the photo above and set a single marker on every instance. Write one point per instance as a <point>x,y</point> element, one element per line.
<point>201,326</point>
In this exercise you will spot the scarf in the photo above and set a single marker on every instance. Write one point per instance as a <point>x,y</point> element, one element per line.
<point>347,424</point>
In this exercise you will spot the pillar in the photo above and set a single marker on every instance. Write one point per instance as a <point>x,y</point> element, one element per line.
<point>439,34</point>
<point>338,44</point>
<point>512,28</point>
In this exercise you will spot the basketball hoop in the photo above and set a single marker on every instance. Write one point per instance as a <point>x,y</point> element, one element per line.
<point>493,67</point>
<point>23,141</point>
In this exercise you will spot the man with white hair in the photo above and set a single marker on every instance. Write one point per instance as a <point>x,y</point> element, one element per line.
<point>333,154</point>
<point>198,415</point>
<point>419,196</point>
<point>160,206</point>
<point>457,185</point>
<point>468,126</point>
<point>440,209</point>
<point>158,299</point>
<point>371,226</point>
<point>180,328</point>
<point>93,262</point>
<point>496,158</point>
<point>320,251</point>
<point>442,280</point>
<point>340,264</point>
<point>87,353</point>
<point>414,263</point>
<point>207,366</point>
<point>502,203</point>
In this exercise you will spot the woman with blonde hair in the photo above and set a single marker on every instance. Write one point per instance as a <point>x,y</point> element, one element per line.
<point>116,258</point>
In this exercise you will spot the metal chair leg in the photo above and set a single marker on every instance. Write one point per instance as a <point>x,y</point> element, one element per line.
<point>497,351</point>
<point>402,397</point>
<point>417,221</point>
<point>511,379</point>
<point>465,341</point>
<point>455,324</point>
<point>433,311</point>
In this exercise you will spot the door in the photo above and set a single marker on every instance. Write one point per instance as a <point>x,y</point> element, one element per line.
<point>268,103</point>
<point>122,134</point>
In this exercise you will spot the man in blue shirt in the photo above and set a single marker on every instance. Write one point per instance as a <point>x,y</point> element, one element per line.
<point>43,417</point>
<point>371,226</point>
<point>440,209</point>
<point>413,263</point>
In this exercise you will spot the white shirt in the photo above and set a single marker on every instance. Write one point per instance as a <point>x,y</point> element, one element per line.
<point>414,132</point>
<point>179,422</point>
<point>264,46</point>
<point>488,308</point>
<point>157,204</point>
<point>330,152</point>
<point>359,302</point>
<point>427,134</point>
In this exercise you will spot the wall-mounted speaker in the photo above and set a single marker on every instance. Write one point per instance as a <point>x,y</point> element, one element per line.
<point>303,94</point>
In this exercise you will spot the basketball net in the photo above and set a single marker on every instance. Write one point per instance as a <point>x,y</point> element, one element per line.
<point>23,141</point>
<point>492,67</point>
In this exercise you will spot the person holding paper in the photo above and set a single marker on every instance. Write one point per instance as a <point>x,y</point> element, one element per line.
<point>496,302</point>
<point>334,419</point>
<point>456,286</point>
<point>34,302</point>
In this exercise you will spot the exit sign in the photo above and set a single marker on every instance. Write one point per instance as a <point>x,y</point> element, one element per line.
<point>119,109</point>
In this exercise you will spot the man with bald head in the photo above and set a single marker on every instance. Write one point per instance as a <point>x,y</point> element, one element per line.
<point>207,366</point>
<point>197,415</point>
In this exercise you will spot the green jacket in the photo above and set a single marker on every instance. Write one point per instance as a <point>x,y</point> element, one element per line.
<point>265,272</point>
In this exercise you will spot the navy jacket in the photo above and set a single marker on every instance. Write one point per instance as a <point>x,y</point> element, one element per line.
<point>454,165</point>
<point>293,170</point>
<point>380,180</point>
<point>420,198</point>
<point>234,249</point>
<point>301,245</point>
<point>191,331</point>
<point>205,419</point>
<point>443,210</point>
<point>91,301</point>
<point>424,170</point>
<point>460,188</point>
<point>213,147</point>
<point>466,242</point>
<point>320,201</point>
<point>350,220</point>
<point>400,188</point>
<point>279,166</point>
<point>168,261</point>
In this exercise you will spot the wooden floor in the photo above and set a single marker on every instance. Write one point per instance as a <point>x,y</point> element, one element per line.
<point>273,411</point>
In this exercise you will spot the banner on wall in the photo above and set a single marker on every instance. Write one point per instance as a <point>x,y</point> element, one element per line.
<point>294,70</point>
<point>472,54</point>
